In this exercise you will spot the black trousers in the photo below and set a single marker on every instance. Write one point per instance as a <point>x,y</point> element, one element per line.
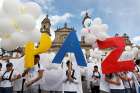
<point>19,92</point>
<point>95,89</point>
<point>69,92</point>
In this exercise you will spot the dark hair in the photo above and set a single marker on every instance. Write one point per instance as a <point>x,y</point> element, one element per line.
<point>137,61</point>
<point>9,65</point>
<point>37,56</point>
<point>109,76</point>
<point>95,66</point>
<point>0,64</point>
<point>68,62</point>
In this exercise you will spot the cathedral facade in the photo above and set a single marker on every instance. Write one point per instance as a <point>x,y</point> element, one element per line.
<point>62,33</point>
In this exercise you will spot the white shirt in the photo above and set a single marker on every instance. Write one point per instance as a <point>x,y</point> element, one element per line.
<point>33,73</point>
<point>128,84</point>
<point>114,86</point>
<point>0,75</point>
<point>96,82</point>
<point>7,83</point>
<point>104,86</point>
<point>3,65</point>
<point>68,86</point>
<point>18,65</point>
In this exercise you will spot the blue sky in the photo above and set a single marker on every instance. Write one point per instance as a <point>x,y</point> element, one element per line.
<point>122,16</point>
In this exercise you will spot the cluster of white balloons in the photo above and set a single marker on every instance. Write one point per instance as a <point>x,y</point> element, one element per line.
<point>129,53</point>
<point>18,23</point>
<point>94,30</point>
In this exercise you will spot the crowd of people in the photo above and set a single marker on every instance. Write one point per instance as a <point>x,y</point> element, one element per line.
<point>31,79</point>
<point>121,82</point>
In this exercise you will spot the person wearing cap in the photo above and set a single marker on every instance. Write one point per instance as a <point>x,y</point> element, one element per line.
<point>34,76</point>
<point>7,78</point>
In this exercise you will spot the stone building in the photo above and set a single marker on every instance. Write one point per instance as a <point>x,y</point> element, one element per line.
<point>61,34</point>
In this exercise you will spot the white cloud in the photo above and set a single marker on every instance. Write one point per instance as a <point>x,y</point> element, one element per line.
<point>89,11</point>
<point>60,19</point>
<point>55,19</point>
<point>47,5</point>
<point>137,38</point>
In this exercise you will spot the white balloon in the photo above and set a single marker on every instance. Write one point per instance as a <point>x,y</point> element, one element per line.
<point>127,48</point>
<point>33,36</point>
<point>2,14</point>
<point>101,35</point>
<point>19,38</point>
<point>100,28</point>
<point>90,39</point>
<point>127,55</point>
<point>8,44</point>
<point>97,21</point>
<point>36,35</point>
<point>12,7</point>
<point>97,53</point>
<point>135,49</point>
<point>26,22</point>
<point>6,27</point>
<point>33,8</point>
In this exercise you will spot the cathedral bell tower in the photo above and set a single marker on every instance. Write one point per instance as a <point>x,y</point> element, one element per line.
<point>45,26</point>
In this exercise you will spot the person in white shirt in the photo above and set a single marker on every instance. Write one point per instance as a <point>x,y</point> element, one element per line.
<point>33,76</point>
<point>7,78</point>
<point>104,86</point>
<point>95,83</point>
<point>128,81</point>
<point>115,83</point>
<point>71,79</point>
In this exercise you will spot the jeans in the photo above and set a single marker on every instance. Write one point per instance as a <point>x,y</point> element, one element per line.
<point>128,90</point>
<point>6,90</point>
<point>117,90</point>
